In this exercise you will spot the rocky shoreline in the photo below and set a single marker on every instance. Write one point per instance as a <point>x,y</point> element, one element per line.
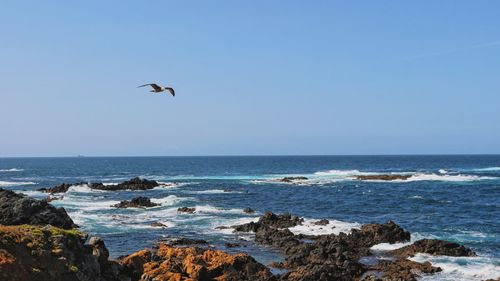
<point>41,242</point>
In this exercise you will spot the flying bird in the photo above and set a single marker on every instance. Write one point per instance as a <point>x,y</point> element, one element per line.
<point>159,89</point>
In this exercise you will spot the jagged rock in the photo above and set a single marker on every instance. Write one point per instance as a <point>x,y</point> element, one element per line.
<point>185,241</point>
<point>62,188</point>
<point>434,247</point>
<point>138,202</point>
<point>403,269</point>
<point>270,220</point>
<point>133,184</point>
<point>389,177</point>
<point>186,210</point>
<point>171,263</point>
<point>292,179</point>
<point>16,209</point>
<point>249,210</point>
<point>49,253</point>
<point>322,222</point>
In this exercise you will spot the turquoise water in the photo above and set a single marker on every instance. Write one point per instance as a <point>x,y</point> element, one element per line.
<point>448,197</point>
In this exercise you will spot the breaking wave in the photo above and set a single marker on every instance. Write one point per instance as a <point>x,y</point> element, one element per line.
<point>16,183</point>
<point>11,170</point>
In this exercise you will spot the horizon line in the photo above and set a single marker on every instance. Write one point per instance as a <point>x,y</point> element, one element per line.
<point>256,155</point>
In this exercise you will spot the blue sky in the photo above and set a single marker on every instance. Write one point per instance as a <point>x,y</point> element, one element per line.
<point>252,77</point>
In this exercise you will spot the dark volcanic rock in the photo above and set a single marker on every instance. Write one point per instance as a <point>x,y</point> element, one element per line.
<point>62,188</point>
<point>383,177</point>
<point>249,210</point>
<point>292,179</point>
<point>138,202</point>
<point>403,269</point>
<point>322,222</point>
<point>16,209</point>
<point>270,220</point>
<point>158,224</point>
<point>133,184</point>
<point>434,247</point>
<point>186,210</point>
<point>185,241</point>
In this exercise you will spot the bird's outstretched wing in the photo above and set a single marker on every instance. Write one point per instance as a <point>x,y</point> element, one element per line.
<point>171,90</point>
<point>156,87</point>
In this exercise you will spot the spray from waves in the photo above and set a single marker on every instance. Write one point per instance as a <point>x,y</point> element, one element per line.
<point>461,268</point>
<point>308,227</point>
<point>443,177</point>
<point>11,170</point>
<point>16,183</point>
<point>487,169</point>
<point>341,173</point>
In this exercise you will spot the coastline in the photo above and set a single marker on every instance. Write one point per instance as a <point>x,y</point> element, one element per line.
<point>342,256</point>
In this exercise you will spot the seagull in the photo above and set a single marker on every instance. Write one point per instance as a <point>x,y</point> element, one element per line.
<point>159,89</point>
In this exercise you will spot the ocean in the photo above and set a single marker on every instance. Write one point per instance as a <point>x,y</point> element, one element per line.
<point>456,198</point>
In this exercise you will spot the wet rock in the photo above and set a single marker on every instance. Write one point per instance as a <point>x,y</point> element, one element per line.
<point>322,222</point>
<point>171,263</point>
<point>158,224</point>
<point>249,210</point>
<point>185,241</point>
<point>434,247</point>
<point>138,202</point>
<point>270,220</point>
<point>62,188</point>
<point>292,179</point>
<point>186,210</point>
<point>389,177</point>
<point>133,184</point>
<point>222,227</point>
<point>403,269</point>
<point>232,245</point>
<point>16,209</point>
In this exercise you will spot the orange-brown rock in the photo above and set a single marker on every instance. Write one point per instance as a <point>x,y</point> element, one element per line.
<point>168,263</point>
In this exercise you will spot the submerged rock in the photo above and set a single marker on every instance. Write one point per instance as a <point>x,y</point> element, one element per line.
<point>137,202</point>
<point>388,177</point>
<point>248,210</point>
<point>158,224</point>
<point>186,210</point>
<point>16,209</point>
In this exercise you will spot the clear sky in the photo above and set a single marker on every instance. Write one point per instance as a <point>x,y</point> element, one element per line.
<point>252,77</point>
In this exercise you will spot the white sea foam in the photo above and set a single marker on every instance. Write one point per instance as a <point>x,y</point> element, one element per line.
<point>443,171</point>
<point>11,170</point>
<point>214,191</point>
<point>461,268</point>
<point>340,173</point>
<point>333,227</point>
<point>445,177</point>
<point>16,183</point>
<point>487,169</point>
<point>211,209</point>
<point>382,247</point>
<point>167,201</point>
